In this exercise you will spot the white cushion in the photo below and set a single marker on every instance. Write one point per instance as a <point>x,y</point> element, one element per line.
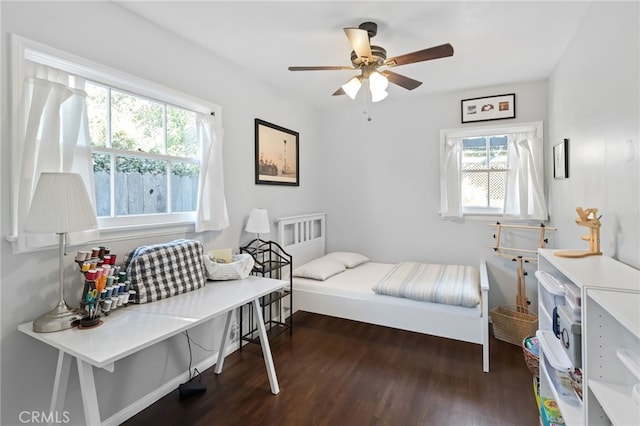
<point>319,269</point>
<point>348,259</point>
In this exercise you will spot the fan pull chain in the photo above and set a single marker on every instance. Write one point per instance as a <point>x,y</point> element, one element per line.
<point>365,103</point>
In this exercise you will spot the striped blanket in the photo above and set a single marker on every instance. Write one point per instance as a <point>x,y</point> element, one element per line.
<point>449,284</point>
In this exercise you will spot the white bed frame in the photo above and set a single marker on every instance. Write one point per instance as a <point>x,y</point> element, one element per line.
<point>303,237</point>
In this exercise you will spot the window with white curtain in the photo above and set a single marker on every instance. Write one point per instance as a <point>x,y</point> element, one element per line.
<point>149,156</point>
<point>493,171</point>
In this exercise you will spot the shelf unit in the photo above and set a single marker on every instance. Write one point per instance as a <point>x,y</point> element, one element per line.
<point>613,356</point>
<point>273,262</point>
<point>610,319</point>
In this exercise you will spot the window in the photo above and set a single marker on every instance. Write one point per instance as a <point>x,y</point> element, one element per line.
<point>493,171</point>
<point>150,157</point>
<point>145,154</point>
<point>484,173</point>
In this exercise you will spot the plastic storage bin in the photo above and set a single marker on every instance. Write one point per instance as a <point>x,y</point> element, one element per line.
<point>554,291</point>
<point>557,364</point>
<point>570,336</point>
<point>573,310</point>
<point>573,295</point>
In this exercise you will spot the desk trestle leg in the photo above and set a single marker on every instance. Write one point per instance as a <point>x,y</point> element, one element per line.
<point>88,391</point>
<point>266,349</point>
<point>223,344</point>
<point>60,382</point>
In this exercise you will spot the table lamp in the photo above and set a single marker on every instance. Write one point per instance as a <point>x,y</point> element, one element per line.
<point>258,223</point>
<point>60,205</point>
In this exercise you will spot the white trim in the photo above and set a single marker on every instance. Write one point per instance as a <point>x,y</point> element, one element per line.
<point>120,233</point>
<point>43,54</point>
<point>133,222</point>
<point>491,130</point>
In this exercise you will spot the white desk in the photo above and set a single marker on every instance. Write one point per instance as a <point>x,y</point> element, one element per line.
<point>147,324</point>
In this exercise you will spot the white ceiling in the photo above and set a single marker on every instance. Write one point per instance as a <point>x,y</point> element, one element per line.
<point>495,42</point>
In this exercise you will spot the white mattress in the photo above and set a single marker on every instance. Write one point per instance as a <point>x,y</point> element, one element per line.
<point>357,283</point>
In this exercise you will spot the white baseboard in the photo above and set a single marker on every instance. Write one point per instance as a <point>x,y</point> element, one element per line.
<point>149,399</point>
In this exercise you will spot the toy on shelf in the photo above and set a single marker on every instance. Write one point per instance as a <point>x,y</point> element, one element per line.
<point>591,220</point>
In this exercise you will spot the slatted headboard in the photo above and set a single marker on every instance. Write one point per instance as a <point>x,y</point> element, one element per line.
<point>302,236</point>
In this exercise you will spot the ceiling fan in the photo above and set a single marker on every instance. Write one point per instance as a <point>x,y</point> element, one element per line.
<point>373,64</point>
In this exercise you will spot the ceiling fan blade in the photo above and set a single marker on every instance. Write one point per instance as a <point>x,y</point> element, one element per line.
<point>339,92</point>
<point>401,80</point>
<point>436,52</point>
<point>312,68</point>
<point>359,40</point>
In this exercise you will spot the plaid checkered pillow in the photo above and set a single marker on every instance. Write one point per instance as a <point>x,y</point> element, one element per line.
<point>163,270</point>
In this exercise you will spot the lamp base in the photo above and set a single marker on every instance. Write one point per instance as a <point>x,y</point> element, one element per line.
<point>60,318</point>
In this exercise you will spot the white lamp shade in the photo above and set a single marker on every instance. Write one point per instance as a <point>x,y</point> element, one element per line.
<point>352,86</point>
<point>378,86</point>
<point>378,82</point>
<point>60,204</point>
<point>258,222</point>
<point>378,95</point>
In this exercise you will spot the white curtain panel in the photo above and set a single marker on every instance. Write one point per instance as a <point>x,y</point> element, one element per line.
<point>450,181</point>
<point>56,138</point>
<point>524,196</point>
<point>212,212</point>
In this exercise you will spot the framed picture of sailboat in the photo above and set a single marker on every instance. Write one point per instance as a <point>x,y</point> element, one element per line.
<point>276,155</point>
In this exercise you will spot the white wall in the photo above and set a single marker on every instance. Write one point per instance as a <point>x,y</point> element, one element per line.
<point>381,183</point>
<point>106,33</point>
<point>594,100</point>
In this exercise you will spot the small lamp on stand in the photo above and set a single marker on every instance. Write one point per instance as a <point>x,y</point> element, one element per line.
<point>258,223</point>
<point>60,205</point>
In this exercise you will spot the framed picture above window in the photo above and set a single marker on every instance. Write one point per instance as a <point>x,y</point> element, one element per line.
<point>561,160</point>
<point>488,108</point>
<point>276,155</point>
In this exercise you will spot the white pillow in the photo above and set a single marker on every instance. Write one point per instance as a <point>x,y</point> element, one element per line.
<point>348,259</point>
<point>319,269</point>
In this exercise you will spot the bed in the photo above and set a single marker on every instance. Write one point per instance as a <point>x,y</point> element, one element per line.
<point>348,294</point>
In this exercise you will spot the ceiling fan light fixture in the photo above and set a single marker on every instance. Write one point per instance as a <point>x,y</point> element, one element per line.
<point>367,58</point>
<point>378,82</point>
<point>352,87</point>
<point>378,95</point>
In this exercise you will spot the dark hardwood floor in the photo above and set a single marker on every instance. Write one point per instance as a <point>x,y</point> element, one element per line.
<point>339,372</point>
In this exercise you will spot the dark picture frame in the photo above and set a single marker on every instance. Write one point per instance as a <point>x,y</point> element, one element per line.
<point>277,158</point>
<point>498,107</point>
<point>561,160</point>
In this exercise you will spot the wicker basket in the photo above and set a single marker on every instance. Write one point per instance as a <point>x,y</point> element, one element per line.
<point>239,269</point>
<point>531,359</point>
<point>512,326</point>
